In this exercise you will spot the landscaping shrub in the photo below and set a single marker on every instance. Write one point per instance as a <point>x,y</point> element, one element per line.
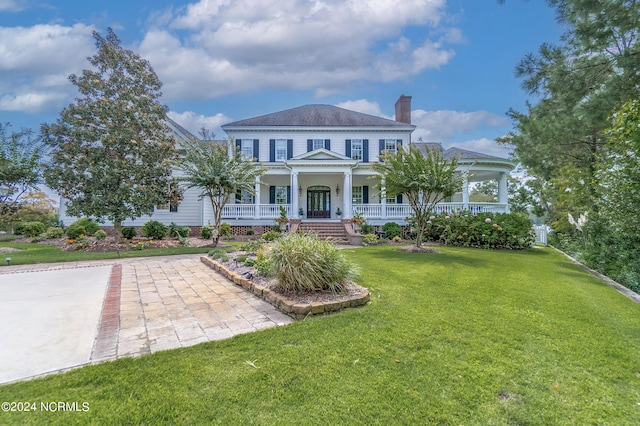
<point>392,229</point>
<point>18,228</point>
<point>250,231</point>
<point>54,232</point>
<point>225,230</point>
<point>252,246</point>
<point>155,230</point>
<point>307,263</point>
<point>367,228</point>
<point>206,232</point>
<point>485,230</point>
<point>179,231</point>
<point>397,239</point>
<point>271,236</point>
<point>370,239</point>
<point>75,231</point>
<point>90,226</point>
<point>100,234</point>
<point>129,232</point>
<point>263,262</point>
<point>217,253</point>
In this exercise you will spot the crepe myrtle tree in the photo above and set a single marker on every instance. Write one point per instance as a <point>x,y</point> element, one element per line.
<point>423,179</point>
<point>112,152</point>
<point>207,165</point>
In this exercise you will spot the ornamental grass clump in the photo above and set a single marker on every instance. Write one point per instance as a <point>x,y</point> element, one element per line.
<point>304,263</point>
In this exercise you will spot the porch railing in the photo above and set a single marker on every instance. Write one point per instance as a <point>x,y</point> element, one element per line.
<point>248,211</point>
<point>370,211</point>
<point>401,211</point>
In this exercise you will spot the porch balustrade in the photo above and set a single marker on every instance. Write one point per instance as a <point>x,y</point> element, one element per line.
<point>369,211</point>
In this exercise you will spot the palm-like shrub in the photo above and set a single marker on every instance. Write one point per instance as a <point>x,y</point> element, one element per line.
<point>306,263</point>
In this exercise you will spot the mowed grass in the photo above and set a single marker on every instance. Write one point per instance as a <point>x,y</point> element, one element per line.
<point>461,337</point>
<point>41,253</point>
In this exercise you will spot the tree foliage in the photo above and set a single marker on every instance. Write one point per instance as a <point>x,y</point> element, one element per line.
<point>208,166</point>
<point>112,151</point>
<point>564,140</point>
<point>21,156</point>
<point>423,179</point>
<point>579,83</point>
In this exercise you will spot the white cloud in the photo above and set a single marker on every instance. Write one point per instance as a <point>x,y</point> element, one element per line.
<point>36,61</point>
<point>247,45</point>
<point>193,122</point>
<point>484,146</point>
<point>440,126</point>
<point>12,5</point>
<point>364,106</point>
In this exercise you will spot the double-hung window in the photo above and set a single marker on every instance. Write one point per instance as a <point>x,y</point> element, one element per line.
<point>317,144</point>
<point>246,148</point>
<point>356,149</point>
<point>390,145</point>
<point>281,150</point>
<point>356,195</point>
<point>281,195</point>
<point>246,197</point>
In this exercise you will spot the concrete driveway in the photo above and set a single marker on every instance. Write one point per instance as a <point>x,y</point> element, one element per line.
<point>58,316</point>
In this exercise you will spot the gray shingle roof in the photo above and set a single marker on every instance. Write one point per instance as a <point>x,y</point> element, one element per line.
<point>317,116</point>
<point>461,154</point>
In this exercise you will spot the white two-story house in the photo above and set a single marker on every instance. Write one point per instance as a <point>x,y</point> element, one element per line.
<point>318,165</point>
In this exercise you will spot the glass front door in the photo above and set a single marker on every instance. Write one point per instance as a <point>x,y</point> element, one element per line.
<point>318,202</point>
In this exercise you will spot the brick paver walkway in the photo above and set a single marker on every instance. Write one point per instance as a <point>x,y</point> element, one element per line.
<point>158,303</point>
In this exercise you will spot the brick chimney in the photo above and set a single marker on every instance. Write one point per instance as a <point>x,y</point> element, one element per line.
<point>403,109</point>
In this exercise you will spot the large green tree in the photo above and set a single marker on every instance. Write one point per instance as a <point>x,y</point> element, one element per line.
<point>21,157</point>
<point>208,166</point>
<point>577,84</point>
<point>424,180</point>
<point>112,151</point>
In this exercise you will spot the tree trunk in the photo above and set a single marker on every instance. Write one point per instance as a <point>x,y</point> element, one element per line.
<point>117,230</point>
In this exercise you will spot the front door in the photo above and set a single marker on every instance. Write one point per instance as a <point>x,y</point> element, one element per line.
<point>319,202</point>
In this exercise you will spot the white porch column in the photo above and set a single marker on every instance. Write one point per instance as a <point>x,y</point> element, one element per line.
<point>346,196</point>
<point>503,193</point>
<point>465,193</point>
<point>257,199</point>
<point>294,194</point>
<point>383,200</point>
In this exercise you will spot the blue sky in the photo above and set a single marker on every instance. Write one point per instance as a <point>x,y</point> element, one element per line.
<point>226,60</point>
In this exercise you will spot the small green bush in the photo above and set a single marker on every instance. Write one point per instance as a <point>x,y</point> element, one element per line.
<point>264,263</point>
<point>225,230</point>
<point>252,246</point>
<point>271,236</point>
<point>397,239</point>
<point>249,261</point>
<point>367,228</point>
<point>75,231</point>
<point>90,226</point>
<point>392,229</point>
<point>250,231</point>
<point>217,253</point>
<point>129,232</point>
<point>155,230</point>
<point>54,232</point>
<point>241,259</point>
<point>370,239</point>
<point>37,238</point>
<point>100,234</point>
<point>206,232</point>
<point>18,228</point>
<point>307,263</point>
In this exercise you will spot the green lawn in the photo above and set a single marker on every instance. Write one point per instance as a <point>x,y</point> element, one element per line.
<point>462,337</point>
<point>42,253</point>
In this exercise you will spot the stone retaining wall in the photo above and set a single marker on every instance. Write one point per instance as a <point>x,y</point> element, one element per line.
<point>290,307</point>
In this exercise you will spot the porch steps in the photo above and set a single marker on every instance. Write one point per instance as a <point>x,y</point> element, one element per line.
<point>326,230</point>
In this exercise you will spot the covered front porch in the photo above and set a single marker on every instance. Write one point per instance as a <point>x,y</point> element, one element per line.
<point>325,186</point>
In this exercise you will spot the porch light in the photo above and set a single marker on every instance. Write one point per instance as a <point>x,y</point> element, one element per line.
<point>299,190</point>
<point>338,189</point>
